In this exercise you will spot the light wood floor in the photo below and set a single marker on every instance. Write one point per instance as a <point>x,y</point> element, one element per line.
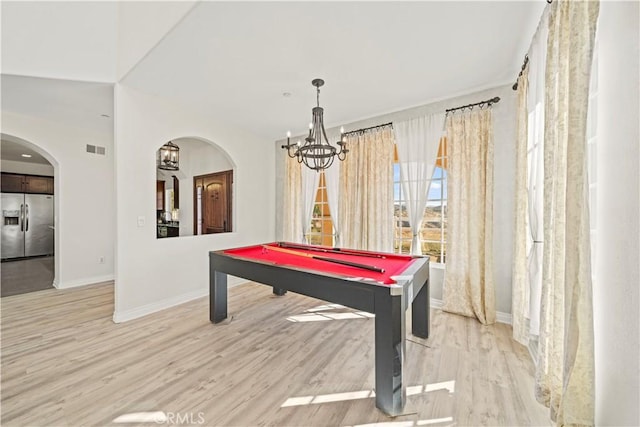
<point>64,362</point>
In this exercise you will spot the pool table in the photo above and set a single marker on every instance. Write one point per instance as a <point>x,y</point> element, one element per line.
<point>399,280</point>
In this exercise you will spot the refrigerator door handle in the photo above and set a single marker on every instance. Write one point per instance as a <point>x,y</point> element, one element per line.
<point>21,217</point>
<point>26,228</point>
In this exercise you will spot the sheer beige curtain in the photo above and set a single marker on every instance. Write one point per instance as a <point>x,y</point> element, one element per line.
<point>520,276</point>
<point>366,191</point>
<point>565,369</point>
<point>468,287</point>
<point>291,213</point>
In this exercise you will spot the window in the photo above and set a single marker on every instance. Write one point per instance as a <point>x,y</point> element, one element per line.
<point>402,231</point>
<point>321,232</point>
<point>433,232</point>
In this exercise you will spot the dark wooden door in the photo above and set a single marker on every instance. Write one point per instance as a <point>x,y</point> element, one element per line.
<point>160,195</point>
<point>215,202</point>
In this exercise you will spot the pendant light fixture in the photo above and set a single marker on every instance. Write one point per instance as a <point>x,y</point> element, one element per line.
<point>169,157</point>
<point>316,152</point>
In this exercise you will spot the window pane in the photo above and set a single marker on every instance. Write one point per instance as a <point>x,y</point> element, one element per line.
<point>321,232</point>
<point>396,172</point>
<point>431,230</point>
<point>435,190</point>
<point>434,217</point>
<point>432,249</point>
<point>396,191</point>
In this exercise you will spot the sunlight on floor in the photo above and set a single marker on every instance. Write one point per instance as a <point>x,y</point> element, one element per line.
<point>142,417</point>
<point>365,394</point>
<point>323,313</point>
<point>430,422</point>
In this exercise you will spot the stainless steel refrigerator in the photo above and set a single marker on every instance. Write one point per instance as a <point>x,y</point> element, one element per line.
<point>27,225</point>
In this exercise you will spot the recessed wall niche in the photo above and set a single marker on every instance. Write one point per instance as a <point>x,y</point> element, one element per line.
<point>197,197</point>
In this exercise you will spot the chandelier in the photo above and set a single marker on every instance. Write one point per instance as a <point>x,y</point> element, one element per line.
<point>316,153</point>
<point>169,157</point>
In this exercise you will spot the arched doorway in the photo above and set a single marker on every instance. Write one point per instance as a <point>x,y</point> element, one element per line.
<point>27,217</point>
<point>194,188</point>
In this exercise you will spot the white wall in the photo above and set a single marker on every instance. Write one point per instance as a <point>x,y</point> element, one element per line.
<point>26,168</point>
<point>153,274</point>
<point>504,177</point>
<point>84,196</point>
<point>616,287</point>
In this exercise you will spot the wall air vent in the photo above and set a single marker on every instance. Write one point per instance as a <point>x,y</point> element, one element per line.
<point>96,149</point>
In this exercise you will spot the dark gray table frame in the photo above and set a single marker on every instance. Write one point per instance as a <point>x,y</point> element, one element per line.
<point>387,302</point>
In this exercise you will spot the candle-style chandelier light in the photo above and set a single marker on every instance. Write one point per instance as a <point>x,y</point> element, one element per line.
<point>317,153</point>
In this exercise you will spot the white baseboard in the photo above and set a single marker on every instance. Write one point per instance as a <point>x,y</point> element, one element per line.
<point>134,313</point>
<point>82,282</point>
<point>500,316</point>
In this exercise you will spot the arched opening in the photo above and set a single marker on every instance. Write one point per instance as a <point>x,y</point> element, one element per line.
<point>194,188</point>
<point>29,212</point>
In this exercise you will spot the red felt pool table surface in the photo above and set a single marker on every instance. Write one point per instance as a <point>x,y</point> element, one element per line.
<point>392,264</point>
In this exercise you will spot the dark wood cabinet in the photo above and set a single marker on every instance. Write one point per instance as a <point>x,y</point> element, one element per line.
<point>12,183</point>
<point>176,192</point>
<point>167,231</point>
<point>160,195</point>
<point>34,184</point>
<point>39,184</point>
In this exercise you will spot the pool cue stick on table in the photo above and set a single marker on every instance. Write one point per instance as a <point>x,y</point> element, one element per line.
<point>329,250</point>
<point>321,258</point>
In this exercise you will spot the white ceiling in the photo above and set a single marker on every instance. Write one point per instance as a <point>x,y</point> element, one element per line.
<point>66,40</point>
<point>77,104</point>
<point>233,61</point>
<point>12,149</point>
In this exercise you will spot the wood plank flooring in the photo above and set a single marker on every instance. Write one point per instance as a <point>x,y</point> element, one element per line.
<point>65,363</point>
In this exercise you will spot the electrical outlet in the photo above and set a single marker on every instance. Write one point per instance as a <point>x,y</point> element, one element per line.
<point>101,260</point>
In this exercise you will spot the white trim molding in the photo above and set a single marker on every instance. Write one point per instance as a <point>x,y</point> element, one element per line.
<point>83,282</point>
<point>134,313</point>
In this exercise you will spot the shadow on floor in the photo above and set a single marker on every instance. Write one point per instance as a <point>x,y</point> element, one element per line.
<point>27,275</point>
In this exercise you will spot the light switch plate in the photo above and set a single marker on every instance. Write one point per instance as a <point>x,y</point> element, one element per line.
<point>141,221</point>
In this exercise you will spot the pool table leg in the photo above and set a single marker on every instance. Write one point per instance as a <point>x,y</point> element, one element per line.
<point>420,313</point>
<point>217,296</point>
<point>390,350</point>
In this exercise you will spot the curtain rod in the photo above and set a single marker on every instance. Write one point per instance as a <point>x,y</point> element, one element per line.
<point>482,104</point>
<point>524,65</point>
<point>363,130</point>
